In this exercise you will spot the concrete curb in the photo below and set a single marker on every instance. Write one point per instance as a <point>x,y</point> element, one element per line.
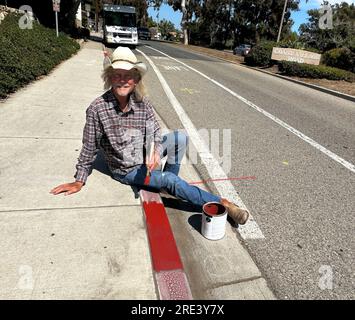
<point>312,86</point>
<point>168,270</point>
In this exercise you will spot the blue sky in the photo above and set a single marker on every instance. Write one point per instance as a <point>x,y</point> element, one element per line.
<point>299,17</point>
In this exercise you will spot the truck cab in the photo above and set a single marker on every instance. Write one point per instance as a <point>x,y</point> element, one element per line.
<point>119,25</point>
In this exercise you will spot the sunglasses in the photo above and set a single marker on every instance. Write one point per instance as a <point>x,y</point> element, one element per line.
<point>124,76</point>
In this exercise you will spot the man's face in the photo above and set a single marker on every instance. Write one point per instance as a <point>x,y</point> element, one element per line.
<point>124,81</point>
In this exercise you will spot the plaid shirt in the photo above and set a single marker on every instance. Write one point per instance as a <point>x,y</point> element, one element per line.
<point>123,136</point>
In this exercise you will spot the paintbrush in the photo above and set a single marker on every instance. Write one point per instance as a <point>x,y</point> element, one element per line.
<point>147,177</point>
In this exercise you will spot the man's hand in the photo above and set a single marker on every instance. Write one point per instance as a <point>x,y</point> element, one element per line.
<point>154,162</point>
<point>68,188</point>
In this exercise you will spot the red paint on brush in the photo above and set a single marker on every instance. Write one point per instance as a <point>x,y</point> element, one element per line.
<point>164,252</point>
<point>146,180</point>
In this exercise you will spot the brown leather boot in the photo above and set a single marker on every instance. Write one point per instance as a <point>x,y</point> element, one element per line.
<point>239,216</point>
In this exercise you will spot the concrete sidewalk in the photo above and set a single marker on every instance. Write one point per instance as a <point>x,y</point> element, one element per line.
<point>91,245</point>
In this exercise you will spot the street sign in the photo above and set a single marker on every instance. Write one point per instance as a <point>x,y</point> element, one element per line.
<point>56,5</point>
<point>295,55</point>
<point>56,8</point>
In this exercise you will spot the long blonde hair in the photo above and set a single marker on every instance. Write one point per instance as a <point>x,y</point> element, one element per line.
<point>140,90</point>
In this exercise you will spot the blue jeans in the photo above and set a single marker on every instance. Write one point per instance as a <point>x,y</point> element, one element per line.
<point>174,145</point>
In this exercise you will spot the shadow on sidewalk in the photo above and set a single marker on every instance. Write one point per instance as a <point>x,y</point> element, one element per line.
<point>180,205</point>
<point>95,38</point>
<point>195,222</point>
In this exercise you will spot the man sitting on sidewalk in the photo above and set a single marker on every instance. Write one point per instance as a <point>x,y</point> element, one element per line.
<point>122,123</point>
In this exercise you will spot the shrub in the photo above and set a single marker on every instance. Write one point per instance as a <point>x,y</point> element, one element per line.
<point>342,58</point>
<point>83,33</point>
<point>316,72</point>
<point>26,54</point>
<point>260,55</point>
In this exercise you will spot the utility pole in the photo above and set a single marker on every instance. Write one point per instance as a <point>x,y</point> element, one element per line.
<point>282,20</point>
<point>97,15</point>
<point>158,23</point>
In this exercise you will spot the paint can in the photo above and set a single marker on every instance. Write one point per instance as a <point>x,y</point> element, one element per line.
<point>214,219</point>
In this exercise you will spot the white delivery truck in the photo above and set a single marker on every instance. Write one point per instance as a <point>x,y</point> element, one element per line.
<point>119,25</point>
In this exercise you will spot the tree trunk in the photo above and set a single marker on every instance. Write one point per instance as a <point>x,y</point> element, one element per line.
<point>184,22</point>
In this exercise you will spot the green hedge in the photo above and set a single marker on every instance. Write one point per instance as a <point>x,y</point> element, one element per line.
<point>316,72</point>
<point>260,55</point>
<point>26,54</point>
<point>342,58</point>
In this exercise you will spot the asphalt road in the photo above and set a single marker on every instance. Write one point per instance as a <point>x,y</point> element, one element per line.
<point>302,200</point>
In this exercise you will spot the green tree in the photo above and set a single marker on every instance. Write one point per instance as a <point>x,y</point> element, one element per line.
<point>215,22</point>
<point>242,21</point>
<point>165,27</point>
<point>151,23</point>
<point>259,20</point>
<point>189,8</point>
<point>341,33</point>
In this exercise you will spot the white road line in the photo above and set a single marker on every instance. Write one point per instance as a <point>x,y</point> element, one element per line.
<point>305,138</point>
<point>251,229</point>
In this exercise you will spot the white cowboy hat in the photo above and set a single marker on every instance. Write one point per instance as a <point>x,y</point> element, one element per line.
<point>124,58</point>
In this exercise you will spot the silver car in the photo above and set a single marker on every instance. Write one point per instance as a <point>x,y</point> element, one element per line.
<point>242,50</point>
<point>143,33</point>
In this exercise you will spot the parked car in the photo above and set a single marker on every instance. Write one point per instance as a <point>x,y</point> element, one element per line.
<point>157,36</point>
<point>143,33</point>
<point>243,49</point>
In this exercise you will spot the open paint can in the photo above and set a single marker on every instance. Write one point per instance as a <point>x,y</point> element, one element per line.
<point>214,219</point>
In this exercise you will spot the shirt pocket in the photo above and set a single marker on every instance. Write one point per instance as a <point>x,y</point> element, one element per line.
<point>116,135</point>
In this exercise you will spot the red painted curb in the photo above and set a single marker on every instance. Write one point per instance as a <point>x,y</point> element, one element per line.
<point>169,275</point>
<point>165,254</point>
